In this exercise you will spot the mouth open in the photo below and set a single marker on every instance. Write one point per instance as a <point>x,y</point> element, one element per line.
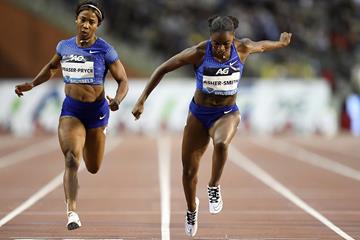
<point>84,33</point>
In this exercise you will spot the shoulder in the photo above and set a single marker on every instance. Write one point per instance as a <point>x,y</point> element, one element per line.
<point>201,47</point>
<point>105,45</point>
<point>194,54</point>
<point>110,53</point>
<point>62,44</point>
<point>71,40</point>
<point>197,50</point>
<point>243,44</point>
<point>65,42</point>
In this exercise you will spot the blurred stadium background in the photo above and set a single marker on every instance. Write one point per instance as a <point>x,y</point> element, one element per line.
<point>311,87</point>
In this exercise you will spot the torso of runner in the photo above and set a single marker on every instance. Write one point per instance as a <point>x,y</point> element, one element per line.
<point>218,81</point>
<point>84,69</point>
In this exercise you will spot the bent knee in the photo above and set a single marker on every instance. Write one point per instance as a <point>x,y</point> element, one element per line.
<point>93,169</point>
<point>221,145</point>
<point>72,160</point>
<point>190,173</point>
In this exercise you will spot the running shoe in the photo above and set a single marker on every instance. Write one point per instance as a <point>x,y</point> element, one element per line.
<point>215,200</point>
<point>191,220</point>
<point>73,221</point>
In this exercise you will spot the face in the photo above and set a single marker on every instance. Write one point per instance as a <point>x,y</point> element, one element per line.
<point>87,24</point>
<point>221,44</point>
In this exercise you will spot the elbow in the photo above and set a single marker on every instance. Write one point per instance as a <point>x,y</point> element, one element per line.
<point>126,88</point>
<point>164,69</point>
<point>161,71</point>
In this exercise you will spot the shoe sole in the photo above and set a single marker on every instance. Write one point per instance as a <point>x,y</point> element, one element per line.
<point>72,226</point>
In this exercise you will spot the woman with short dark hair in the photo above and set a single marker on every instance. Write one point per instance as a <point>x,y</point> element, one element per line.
<point>85,60</point>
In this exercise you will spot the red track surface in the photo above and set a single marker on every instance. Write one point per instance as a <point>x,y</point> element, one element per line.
<point>122,201</point>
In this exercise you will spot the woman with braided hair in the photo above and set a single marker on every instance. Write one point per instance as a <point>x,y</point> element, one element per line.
<point>213,114</point>
<point>84,60</point>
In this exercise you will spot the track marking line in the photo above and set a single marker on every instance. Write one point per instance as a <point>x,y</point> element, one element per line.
<point>249,166</point>
<point>314,159</point>
<point>342,146</point>
<point>43,147</point>
<point>337,148</point>
<point>54,183</point>
<point>164,151</point>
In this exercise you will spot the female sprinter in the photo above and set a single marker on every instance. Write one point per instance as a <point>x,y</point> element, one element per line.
<point>218,65</point>
<point>84,60</point>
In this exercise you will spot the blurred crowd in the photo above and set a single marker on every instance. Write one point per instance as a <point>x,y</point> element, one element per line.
<point>325,33</point>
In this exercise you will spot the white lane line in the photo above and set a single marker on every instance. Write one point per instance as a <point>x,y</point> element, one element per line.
<point>43,147</point>
<point>303,155</point>
<point>54,183</point>
<point>342,148</point>
<point>164,150</point>
<point>249,166</point>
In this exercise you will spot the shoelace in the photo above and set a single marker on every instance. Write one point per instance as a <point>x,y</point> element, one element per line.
<point>213,194</point>
<point>191,217</point>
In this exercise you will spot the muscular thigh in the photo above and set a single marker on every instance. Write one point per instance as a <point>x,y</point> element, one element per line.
<point>225,128</point>
<point>195,140</point>
<point>94,144</point>
<point>71,135</point>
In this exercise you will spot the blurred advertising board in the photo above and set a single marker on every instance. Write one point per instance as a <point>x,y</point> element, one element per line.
<point>266,107</point>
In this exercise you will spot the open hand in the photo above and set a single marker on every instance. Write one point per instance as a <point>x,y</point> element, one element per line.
<point>113,104</point>
<point>19,89</point>
<point>138,110</point>
<point>285,38</point>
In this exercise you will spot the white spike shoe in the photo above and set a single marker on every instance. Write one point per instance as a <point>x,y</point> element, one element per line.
<point>191,220</point>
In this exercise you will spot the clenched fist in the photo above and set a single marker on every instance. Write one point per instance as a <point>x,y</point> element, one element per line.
<point>19,89</point>
<point>138,110</point>
<point>285,38</point>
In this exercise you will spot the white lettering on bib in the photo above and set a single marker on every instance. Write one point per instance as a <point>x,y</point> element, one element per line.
<point>221,83</point>
<point>78,72</point>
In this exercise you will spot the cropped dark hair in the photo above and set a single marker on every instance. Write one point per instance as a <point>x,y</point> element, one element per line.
<point>222,23</point>
<point>91,4</point>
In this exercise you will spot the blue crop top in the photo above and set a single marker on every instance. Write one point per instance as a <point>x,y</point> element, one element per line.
<point>219,78</point>
<point>85,65</point>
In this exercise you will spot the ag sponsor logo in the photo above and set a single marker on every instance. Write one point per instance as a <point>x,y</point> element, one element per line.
<point>74,58</point>
<point>222,71</point>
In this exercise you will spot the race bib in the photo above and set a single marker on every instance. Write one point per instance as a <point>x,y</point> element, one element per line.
<point>77,69</point>
<point>220,79</point>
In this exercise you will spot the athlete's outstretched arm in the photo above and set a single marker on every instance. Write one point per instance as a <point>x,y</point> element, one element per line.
<point>187,56</point>
<point>47,72</point>
<point>117,70</point>
<point>266,45</point>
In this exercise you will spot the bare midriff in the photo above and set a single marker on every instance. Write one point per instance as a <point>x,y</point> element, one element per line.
<point>85,92</point>
<point>211,100</point>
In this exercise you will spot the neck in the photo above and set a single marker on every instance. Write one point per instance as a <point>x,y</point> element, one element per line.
<point>223,58</point>
<point>85,42</point>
